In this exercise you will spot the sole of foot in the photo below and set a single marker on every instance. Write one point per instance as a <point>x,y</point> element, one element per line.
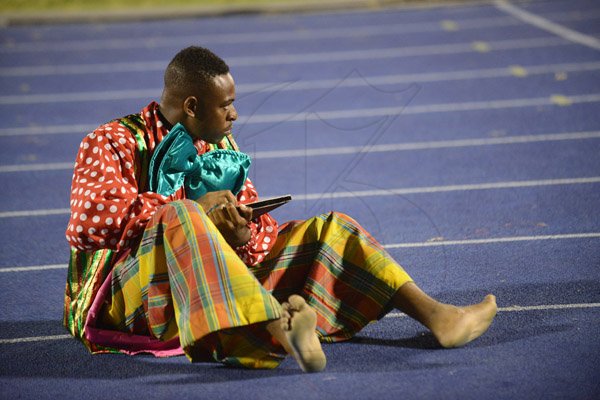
<point>461,325</point>
<point>299,322</point>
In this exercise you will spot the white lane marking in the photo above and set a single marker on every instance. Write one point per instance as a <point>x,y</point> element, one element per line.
<point>380,148</point>
<point>548,307</point>
<point>465,242</point>
<point>34,213</point>
<point>80,96</point>
<point>516,308</point>
<point>547,25</point>
<point>373,193</point>
<point>35,339</point>
<point>442,144</point>
<point>34,268</point>
<point>283,59</point>
<point>48,130</point>
<point>37,167</point>
<point>343,114</point>
<point>443,189</point>
<point>276,36</point>
<point>409,110</point>
<point>267,87</point>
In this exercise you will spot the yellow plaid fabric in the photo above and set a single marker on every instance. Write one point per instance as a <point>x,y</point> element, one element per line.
<point>185,281</point>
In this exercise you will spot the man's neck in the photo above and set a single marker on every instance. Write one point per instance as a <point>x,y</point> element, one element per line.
<point>161,116</point>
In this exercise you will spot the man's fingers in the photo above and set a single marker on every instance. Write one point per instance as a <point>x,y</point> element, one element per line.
<point>245,212</point>
<point>234,216</point>
<point>228,197</point>
<point>212,200</point>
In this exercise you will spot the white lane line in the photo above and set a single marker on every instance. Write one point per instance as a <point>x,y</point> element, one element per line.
<point>347,114</point>
<point>517,308</point>
<point>37,167</point>
<point>373,193</point>
<point>283,59</point>
<point>548,307</point>
<point>35,339</point>
<point>268,36</point>
<point>34,213</point>
<point>444,189</point>
<point>380,148</point>
<point>267,87</point>
<point>465,242</point>
<point>419,109</point>
<point>48,130</point>
<point>34,268</point>
<point>442,144</point>
<point>299,34</point>
<point>79,96</point>
<point>547,25</point>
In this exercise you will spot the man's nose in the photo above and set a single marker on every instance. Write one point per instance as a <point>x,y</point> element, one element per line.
<point>233,115</point>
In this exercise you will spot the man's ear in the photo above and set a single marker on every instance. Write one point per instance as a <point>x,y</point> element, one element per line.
<point>190,106</point>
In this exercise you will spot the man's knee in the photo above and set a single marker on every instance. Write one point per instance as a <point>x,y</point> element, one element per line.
<point>336,216</point>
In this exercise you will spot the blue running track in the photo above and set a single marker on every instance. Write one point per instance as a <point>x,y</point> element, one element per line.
<point>465,138</point>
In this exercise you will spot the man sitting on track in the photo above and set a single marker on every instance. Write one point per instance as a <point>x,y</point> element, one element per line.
<point>166,259</point>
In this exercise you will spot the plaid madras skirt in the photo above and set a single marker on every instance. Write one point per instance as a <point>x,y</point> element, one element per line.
<point>185,281</point>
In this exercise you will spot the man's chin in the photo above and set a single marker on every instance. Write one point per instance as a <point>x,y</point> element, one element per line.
<point>215,139</point>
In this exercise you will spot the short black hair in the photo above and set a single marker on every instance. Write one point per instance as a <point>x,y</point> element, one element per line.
<point>192,69</point>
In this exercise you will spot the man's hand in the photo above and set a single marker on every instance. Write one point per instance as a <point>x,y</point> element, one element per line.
<point>230,220</point>
<point>214,199</point>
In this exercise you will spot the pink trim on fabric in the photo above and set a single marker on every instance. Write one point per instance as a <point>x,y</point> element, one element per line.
<point>125,342</point>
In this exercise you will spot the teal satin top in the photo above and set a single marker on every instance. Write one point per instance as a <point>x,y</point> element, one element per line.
<point>176,163</point>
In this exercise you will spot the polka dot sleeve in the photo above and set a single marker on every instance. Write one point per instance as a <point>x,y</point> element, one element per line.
<point>263,228</point>
<point>106,209</point>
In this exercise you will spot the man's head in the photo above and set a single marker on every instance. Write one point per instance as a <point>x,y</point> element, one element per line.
<point>199,92</point>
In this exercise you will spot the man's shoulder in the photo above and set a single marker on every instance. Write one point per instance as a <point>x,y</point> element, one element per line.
<point>133,122</point>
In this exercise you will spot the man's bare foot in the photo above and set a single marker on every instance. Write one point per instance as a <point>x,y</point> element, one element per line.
<point>457,326</point>
<point>299,323</point>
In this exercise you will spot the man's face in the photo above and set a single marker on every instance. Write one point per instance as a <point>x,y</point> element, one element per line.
<point>216,113</point>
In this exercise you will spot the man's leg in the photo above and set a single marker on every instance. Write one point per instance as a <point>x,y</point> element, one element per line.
<point>452,326</point>
<point>349,280</point>
<point>184,281</point>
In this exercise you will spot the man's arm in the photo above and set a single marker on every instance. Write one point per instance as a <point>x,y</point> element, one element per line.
<point>107,210</point>
<point>263,230</point>
<point>221,209</point>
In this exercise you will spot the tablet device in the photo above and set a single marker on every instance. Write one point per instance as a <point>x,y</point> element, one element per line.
<point>264,206</point>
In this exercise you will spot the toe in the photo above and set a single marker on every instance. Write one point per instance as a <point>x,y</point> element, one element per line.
<point>296,302</point>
